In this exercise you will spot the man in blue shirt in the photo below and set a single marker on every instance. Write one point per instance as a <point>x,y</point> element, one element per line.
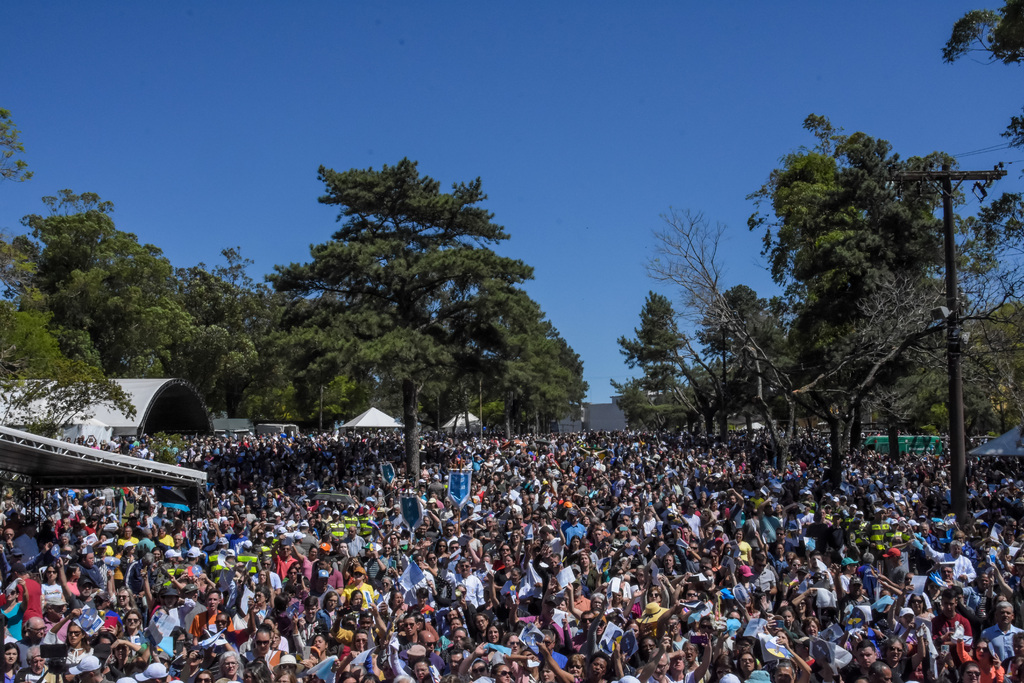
<point>572,528</point>
<point>1000,636</point>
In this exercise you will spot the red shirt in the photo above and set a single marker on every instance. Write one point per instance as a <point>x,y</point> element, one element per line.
<point>32,593</point>
<point>941,625</point>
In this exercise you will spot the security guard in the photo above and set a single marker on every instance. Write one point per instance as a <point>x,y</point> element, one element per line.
<point>336,526</point>
<point>881,533</point>
<point>247,557</point>
<point>227,566</point>
<point>350,519</point>
<point>363,515</point>
<point>854,528</point>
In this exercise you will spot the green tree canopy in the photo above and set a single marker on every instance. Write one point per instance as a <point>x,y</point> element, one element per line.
<point>111,298</point>
<point>409,270</point>
<point>12,167</point>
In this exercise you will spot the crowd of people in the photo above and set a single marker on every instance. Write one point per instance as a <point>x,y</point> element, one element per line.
<point>582,558</point>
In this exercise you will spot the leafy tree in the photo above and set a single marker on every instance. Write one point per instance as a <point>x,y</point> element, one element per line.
<point>409,270</point>
<point>658,397</point>
<point>16,265</point>
<point>166,447</point>
<point>859,267</point>
<point>112,299</point>
<point>858,264</point>
<point>67,391</point>
<point>11,167</point>
<point>1000,33</point>
<point>227,346</point>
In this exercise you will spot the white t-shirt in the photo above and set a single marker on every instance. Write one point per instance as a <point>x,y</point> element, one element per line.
<point>51,590</point>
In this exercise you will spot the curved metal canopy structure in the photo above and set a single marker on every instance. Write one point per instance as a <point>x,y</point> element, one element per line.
<point>31,460</point>
<point>161,405</point>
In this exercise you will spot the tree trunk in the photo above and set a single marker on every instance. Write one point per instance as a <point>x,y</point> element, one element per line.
<point>410,409</point>
<point>709,423</point>
<point>855,429</point>
<point>892,429</point>
<point>723,425</point>
<point>508,415</point>
<point>750,422</point>
<point>836,461</point>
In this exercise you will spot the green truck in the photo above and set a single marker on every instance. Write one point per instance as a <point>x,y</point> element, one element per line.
<point>908,444</point>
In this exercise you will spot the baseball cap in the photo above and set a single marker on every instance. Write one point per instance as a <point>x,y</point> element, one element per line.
<point>88,663</point>
<point>152,671</point>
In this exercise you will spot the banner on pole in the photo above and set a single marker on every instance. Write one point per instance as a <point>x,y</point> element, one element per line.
<point>412,511</point>
<point>458,487</point>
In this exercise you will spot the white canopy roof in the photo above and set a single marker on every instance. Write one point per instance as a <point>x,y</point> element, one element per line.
<point>459,421</point>
<point>373,419</point>
<point>1010,444</point>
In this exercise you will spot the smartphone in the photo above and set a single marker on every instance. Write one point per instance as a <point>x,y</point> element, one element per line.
<point>699,640</point>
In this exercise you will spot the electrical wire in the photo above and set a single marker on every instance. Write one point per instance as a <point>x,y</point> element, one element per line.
<point>984,150</point>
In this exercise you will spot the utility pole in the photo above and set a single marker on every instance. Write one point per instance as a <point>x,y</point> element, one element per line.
<point>954,341</point>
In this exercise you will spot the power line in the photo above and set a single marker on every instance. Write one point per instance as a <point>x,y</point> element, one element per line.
<point>984,150</point>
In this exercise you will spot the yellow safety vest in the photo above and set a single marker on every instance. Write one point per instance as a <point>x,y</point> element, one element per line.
<point>879,533</point>
<point>246,559</point>
<point>365,529</point>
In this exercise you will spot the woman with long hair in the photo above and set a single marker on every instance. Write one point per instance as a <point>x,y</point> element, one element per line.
<point>991,669</point>
<point>11,662</point>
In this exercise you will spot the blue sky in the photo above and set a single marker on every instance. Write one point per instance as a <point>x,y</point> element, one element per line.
<point>205,123</point>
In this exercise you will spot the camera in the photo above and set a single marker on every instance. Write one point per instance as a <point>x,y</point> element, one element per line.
<point>56,657</point>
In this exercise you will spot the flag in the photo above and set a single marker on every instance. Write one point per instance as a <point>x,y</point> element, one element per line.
<point>831,654</point>
<point>459,482</point>
<point>387,472</point>
<point>323,670</point>
<point>363,658</point>
<point>531,636</point>
<point>530,587</point>
<point>412,511</point>
<point>612,633</point>
<point>411,577</point>
<point>771,649</point>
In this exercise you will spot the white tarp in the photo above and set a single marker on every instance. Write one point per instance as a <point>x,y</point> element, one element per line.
<point>1010,444</point>
<point>459,422</point>
<point>92,427</point>
<point>372,419</point>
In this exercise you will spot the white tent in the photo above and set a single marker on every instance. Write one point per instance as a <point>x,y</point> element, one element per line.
<point>1010,444</point>
<point>373,419</point>
<point>97,429</point>
<point>459,422</point>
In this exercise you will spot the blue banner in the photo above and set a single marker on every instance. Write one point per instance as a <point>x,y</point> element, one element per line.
<point>387,471</point>
<point>459,487</point>
<point>412,511</point>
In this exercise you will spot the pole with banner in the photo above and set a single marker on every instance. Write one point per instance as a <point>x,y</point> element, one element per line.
<point>387,472</point>
<point>412,513</point>
<point>459,482</point>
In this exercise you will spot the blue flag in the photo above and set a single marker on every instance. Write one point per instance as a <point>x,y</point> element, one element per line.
<point>459,487</point>
<point>412,511</point>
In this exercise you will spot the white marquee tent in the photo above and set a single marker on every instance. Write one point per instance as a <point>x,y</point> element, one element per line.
<point>373,419</point>
<point>1009,445</point>
<point>458,423</point>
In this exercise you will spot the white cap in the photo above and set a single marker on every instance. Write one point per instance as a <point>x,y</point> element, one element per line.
<point>88,663</point>
<point>152,671</point>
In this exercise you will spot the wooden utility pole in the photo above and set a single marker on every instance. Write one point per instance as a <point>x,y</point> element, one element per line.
<point>954,343</point>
